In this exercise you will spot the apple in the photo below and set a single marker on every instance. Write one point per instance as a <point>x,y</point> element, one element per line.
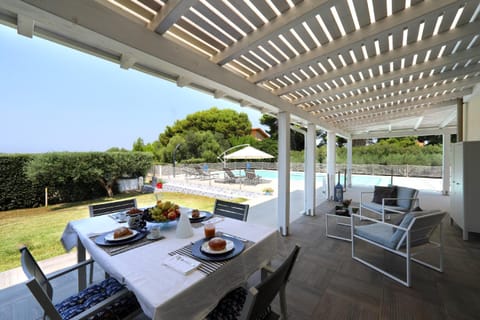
<point>172,215</point>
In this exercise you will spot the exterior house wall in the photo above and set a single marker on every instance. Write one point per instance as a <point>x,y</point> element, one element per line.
<point>471,116</point>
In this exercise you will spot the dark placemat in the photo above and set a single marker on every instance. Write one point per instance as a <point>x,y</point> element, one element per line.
<point>238,248</point>
<point>207,267</point>
<point>123,247</point>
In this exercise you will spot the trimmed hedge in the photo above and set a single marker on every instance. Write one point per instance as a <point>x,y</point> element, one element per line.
<point>16,191</point>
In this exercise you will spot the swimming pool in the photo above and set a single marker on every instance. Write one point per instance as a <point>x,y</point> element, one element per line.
<point>300,176</point>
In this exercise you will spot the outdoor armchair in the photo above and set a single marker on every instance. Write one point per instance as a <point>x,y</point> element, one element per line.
<point>414,230</point>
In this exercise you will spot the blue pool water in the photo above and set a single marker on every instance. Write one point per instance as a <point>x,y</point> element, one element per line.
<point>300,176</point>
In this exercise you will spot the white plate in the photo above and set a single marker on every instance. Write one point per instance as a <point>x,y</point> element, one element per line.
<point>202,215</point>
<point>109,237</point>
<point>229,247</point>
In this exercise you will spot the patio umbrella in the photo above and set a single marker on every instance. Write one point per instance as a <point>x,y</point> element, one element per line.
<point>248,153</point>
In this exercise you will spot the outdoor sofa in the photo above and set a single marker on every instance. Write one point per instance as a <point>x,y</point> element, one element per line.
<point>389,199</point>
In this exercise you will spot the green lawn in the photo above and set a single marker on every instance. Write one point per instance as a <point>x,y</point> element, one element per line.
<point>41,228</point>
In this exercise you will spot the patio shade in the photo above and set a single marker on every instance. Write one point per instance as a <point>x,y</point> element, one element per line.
<point>248,153</point>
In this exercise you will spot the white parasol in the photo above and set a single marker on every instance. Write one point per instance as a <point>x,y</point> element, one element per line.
<point>248,153</point>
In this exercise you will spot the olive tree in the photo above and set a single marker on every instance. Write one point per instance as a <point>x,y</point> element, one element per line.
<point>59,169</point>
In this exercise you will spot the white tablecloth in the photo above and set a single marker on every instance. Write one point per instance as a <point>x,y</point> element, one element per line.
<point>165,293</point>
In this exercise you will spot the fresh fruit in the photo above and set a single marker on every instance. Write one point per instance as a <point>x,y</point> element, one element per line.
<point>165,211</point>
<point>172,215</point>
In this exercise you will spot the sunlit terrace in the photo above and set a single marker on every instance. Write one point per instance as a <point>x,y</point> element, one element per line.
<point>357,69</point>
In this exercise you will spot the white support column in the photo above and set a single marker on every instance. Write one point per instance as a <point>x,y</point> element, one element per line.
<point>349,162</point>
<point>331,161</point>
<point>446,164</point>
<point>310,174</point>
<point>283,200</point>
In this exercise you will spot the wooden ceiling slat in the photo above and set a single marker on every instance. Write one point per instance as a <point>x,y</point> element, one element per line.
<point>136,8</point>
<point>207,27</point>
<point>239,22</point>
<point>362,12</point>
<point>199,33</point>
<point>345,16</point>
<point>248,13</point>
<point>217,21</point>
<point>265,9</point>
<point>155,6</point>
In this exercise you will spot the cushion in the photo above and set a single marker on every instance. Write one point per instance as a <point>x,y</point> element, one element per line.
<point>405,223</point>
<point>230,306</point>
<point>91,296</point>
<point>385,192</point>
<point>404,195</point>
<point>377,232</point>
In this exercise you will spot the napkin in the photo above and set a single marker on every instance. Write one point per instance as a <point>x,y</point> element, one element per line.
<point>181,263</point>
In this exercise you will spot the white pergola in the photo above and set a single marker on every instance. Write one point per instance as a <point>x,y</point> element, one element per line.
<point>356,68</point>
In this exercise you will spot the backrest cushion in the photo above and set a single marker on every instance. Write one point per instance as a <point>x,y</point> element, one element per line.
<point>404,195</point>
<point>381,192</point>
<point>405,223</point>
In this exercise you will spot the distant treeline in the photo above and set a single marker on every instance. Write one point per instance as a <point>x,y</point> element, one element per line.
<point>393,151</point>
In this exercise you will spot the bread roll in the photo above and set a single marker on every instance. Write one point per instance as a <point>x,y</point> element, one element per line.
<point>195,213</point>
<point>121,232</point>
<point>217,244</point>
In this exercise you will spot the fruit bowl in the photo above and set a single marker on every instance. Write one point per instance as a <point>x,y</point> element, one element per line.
<point>163,212</point>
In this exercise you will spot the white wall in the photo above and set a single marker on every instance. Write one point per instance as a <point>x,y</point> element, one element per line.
<point>471,116</point>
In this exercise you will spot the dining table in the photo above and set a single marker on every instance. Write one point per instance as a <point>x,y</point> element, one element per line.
<point>164,289</point>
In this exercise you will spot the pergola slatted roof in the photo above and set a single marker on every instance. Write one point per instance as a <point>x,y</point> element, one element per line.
<point>357,67</point>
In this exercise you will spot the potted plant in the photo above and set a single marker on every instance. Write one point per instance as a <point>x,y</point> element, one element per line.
<point>267,191</point>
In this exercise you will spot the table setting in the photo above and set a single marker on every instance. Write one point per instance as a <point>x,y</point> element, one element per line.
<point>174,267</point>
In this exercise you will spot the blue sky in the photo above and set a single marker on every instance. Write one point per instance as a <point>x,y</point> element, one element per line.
<point>54,98</point>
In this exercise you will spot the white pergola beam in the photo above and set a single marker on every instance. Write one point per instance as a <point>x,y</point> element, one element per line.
<point>89,22</point>
<point>470,29</point>
<point>403,133</point>
<point>418,123</point>
<point>356,38</point>
<point>169,14</point>
<point>25,26</point>
<point>426,80</point>
<point>272,29</point>
<point>449,118</point>
<point>378,98</point>
<point>127,61</point>
<point>416,98</point>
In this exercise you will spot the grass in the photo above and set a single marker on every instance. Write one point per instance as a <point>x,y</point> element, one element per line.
<point>41,228</point>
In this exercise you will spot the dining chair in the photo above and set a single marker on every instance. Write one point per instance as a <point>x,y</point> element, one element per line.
<point>105,300</point>
<point>232,210</point>
<point>413,232</point>
<point>255,303</point>
<point>110,207</point>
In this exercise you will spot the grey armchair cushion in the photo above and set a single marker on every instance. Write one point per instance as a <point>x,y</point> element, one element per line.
<point>404,195</point>
<point>405,223</point>
<point>385,192</point>
<point>377,232</point>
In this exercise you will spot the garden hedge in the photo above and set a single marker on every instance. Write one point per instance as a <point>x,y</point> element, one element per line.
<point>69,176</point>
